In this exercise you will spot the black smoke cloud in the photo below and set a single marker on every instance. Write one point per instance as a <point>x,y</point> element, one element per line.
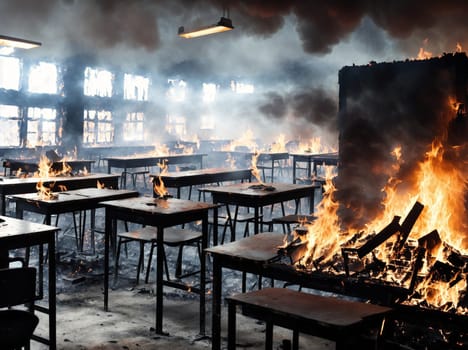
<point>320,24</point>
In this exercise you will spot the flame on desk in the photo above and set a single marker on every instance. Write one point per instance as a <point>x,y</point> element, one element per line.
<point>158,186</point>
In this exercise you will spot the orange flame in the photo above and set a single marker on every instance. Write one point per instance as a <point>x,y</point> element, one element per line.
<point>423,54</point>
<point>255,172</point>
<point>440,184</point>
<point>322,232</point>
<point>158,186</point>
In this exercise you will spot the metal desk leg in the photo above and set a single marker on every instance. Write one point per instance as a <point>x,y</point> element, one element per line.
<point>231,325</point>
<point>159,279</point>
<point>52,295</point>
<point>216,312</point>
<point>108,231</point>
<point>203,274</point>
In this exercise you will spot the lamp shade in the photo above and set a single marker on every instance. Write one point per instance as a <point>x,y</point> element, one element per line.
<point>18,43</point>
<point>223,25</point>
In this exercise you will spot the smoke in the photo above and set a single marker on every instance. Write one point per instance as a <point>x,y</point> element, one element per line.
<point>384,106</point>
<point>140,24</point>
<point>291,51</point>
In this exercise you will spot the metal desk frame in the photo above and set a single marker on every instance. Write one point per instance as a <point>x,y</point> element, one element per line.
<point>32,234</point>
<point>160,213</point>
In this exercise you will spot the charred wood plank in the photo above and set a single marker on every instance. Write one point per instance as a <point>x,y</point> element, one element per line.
<point>430,242</point>
<point>380,238</point>
<point>408,224</point>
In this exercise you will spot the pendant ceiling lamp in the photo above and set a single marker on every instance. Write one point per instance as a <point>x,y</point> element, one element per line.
<point>223,25</point>
<point>18,43</point>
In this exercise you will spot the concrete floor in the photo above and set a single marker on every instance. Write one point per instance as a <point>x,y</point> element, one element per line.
<point>82,322</point>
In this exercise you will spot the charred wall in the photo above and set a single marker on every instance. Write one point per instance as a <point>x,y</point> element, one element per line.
<point>385,105</point>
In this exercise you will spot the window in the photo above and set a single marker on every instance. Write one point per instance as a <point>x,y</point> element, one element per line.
<point>209,92</point>
<point>242,88</point>
<point>98,82</point>
<point>43,78</point>
<point>9,73</point>
<point>176,125</point>
<point>135,87</point>
<point>177,90</point>
<point>41,126</point>
<point>10,124</point>
<point>134,127</point>
<point>98,127</point>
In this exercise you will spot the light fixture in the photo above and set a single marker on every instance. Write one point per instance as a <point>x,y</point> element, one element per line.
<point>18,43</point>
<point>223,25</point>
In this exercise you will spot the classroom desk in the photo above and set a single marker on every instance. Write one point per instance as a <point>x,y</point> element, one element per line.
<point>247,255</point>
<point>313,161</point>
<point>198,177</point>
<point>265,160</point>
<point>132,162</point>
<point>32,165</point>
<point>160,213</point>
<point>69,201</point>
<point>14,185</point>
<point>259,255</point>
<point>15,234</point>
<point>256,196</point>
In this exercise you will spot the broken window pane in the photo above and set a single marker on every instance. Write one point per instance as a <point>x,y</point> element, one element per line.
<point>43,78</point>
<point>136,87</point>
<point>98,82</point>
<point>98,127</point>
<point>9,73</point>
<point>134,127</point>
<point>41,126</point>
<point>10,124</point>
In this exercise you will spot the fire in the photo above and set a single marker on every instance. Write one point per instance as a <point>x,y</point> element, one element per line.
<point>44,192</point>
<point>254,170</point>
<point>44,168</point>
<point>66,169</point>
<point>459,48</point>
<point>439,183</point>
<point>158,186</point>
<point>320,243</point>
<point>315,146</point>
<point>279,145</point>
<point>423,54</point>
<point>231,161</point>
<point>159,150</point>
<point>246,140</point>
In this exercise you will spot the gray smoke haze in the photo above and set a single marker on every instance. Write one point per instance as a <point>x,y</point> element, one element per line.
<point>290,50</point>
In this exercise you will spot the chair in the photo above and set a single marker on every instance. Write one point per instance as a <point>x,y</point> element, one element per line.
<point>173,237</point>
<point>17,287</point>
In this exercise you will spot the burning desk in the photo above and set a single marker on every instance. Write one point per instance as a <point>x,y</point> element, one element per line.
<point>257,196</point>
<point>263,160</point>
<point>313,161</point>
<point>9,186</point>
<point>147,162</point>
<point>69,201</point>
<point>30,166</point>
<point>200,177</point>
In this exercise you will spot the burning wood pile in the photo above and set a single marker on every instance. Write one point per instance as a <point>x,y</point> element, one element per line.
<point>393,226</point>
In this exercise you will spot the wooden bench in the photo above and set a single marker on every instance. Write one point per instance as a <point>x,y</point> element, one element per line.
<point>333,318</point>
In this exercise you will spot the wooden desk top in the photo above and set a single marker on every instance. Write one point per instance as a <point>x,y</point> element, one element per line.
<point>261,247</point>
<point>15,233</point>
<point>158,206</point>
